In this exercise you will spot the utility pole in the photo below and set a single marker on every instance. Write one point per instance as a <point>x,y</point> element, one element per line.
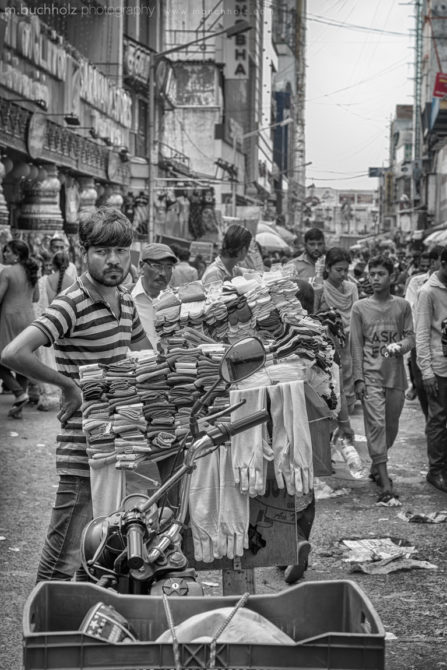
<point>297,181</point>
<point>417,149</point>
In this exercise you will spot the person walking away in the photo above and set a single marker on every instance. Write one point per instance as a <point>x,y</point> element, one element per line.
<point>70,324</point>
<point>431,352</point>
<point>338,293</point>
<point>60,243</point>
<point>157,262</point>
<point>235,245</point>
<point>50,285</point>
<point>183,272</point>
<point>412,294</point>
<point>381,332</point>
<point>18,290</point>
<point>303,267</point>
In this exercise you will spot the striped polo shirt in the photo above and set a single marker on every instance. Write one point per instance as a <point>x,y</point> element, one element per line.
<point>81,326</point>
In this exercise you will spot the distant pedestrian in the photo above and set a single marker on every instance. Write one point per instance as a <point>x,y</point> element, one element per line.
<point>235,246</point>
<point>340,294</point>
<point>18,290</point>
<point>314,248</point>
<point>183,272</point>
<point>93,321</point>
<point>431,351</point>
<point>414,286</point>
<point>381,332</point>
<point>58,243</point>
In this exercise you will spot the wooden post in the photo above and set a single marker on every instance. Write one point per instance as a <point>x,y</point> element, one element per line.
<point>237,581</point>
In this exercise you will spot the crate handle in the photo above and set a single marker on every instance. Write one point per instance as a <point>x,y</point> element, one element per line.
<point>212,664</point>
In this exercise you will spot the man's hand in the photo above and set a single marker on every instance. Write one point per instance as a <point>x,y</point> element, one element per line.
<point>71,401</point>
<point>430,385</point>
<point>360,390</point>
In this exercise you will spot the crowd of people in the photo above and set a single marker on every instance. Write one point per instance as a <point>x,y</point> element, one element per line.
<point>390,305</point>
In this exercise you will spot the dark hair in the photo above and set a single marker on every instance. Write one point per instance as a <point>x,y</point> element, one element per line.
<point>31,267</point>
<point>335,255</point>
<point>313,234</point>
<point>182,253</point>
<point>387,263</point>
<point>235,239</point>
<point>107,227</point>
<point>435,252</point>
<point>444,255</point>
<point>60,262</point>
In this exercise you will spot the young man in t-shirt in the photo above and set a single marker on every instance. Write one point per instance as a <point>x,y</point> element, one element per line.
<point>381,332</point>
<point>92,321</point>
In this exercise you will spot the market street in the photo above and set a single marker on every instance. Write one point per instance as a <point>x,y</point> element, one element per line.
<point>412,605</point>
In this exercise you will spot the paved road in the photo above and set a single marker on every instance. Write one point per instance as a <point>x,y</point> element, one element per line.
<point>412,605</point>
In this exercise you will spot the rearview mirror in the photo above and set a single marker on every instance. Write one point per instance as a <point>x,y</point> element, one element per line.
<point>242,359</point>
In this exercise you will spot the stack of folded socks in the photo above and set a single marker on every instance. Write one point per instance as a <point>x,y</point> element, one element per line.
<point>167,312</point>
<point>129,426</point>
<point>96,415</point>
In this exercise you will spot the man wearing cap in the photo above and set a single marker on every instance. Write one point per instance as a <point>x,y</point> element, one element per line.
<point>156,264</point>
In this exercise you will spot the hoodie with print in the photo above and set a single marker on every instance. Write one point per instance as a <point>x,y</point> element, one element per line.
<point>431,310</point>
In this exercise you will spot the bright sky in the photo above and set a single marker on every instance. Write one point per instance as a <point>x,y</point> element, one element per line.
<point>356,75</point>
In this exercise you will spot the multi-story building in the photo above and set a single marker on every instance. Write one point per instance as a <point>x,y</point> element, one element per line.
<point>431,176</point>
<point>343,213</point>
<point>219,129</point>
<point>397,193</point>
<point>66,118</point>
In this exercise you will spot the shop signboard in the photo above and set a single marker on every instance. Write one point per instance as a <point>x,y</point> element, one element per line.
<point>204,249</point>
<point>136,61</point>
<point>236,51</point>
<point>440,88</point>
<point>196,84</point>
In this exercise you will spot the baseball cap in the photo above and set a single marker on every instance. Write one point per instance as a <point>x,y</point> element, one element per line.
<point>157,252</point>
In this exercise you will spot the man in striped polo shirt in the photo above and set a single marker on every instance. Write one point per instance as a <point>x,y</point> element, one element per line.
<point>92,321</point>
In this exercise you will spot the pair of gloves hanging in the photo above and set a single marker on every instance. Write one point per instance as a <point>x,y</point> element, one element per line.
<point>290,447</point>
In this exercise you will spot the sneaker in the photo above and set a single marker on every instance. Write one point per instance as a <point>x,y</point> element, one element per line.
<point>295,572</point>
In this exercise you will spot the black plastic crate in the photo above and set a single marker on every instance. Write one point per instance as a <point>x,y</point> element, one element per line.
<point>333,623</point>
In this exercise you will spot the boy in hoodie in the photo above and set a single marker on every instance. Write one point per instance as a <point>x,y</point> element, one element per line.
<point>381,332</point>
<point>431,311</point>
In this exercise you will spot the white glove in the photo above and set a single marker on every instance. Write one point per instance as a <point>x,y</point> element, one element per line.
<point>248,448</point>
<point>204,508</point>
<point>297,427</point>
<point>233,510</point>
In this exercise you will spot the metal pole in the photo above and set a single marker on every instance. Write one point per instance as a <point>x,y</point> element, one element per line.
<point>153,162</point>
<point>235,179</point>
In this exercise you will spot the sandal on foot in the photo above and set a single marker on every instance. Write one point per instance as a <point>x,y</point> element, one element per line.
<point>388,499</point>
<point>17,406</point>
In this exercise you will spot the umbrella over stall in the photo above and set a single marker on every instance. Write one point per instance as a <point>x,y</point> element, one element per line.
<point>271,242</point>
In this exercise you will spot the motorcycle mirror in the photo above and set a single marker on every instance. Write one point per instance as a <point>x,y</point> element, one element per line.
<point>242,359</point>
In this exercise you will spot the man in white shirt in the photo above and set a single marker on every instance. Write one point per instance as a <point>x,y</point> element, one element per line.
<point>156,264</point>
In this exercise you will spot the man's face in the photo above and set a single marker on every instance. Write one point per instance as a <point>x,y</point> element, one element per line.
<point>156,275</point>
<point>314,248</point>
<point>380,278</point>
<point>57,245</point>
<point>424,264</point>
<point>108,265</point>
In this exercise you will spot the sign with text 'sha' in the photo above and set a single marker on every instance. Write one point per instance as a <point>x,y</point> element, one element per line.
<point>236,48</point>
